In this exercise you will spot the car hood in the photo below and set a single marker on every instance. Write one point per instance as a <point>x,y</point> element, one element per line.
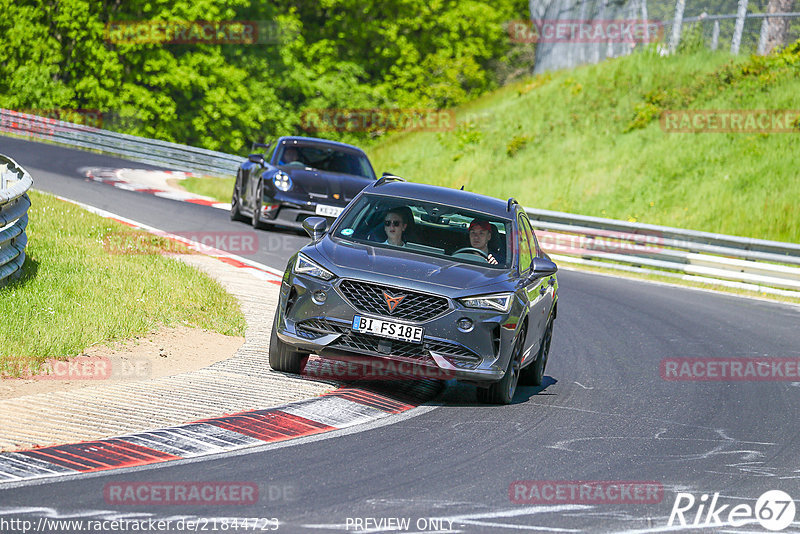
<point>339,188</point>
<point>380,264</point>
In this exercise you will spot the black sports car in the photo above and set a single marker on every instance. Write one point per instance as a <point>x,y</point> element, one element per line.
<point>449,282</point>
<point>303,177</point>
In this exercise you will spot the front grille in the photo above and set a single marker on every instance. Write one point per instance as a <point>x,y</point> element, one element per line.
<point>369,344</point>
<point>456,354</point>
<point>369,298</point>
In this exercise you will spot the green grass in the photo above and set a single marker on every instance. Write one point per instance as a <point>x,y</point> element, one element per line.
<point>215,187</point>
<point>78,289</point>
<point>589,141</point>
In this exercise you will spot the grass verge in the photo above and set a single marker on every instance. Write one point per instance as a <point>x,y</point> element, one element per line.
<point>218,188</point>
<point>80,288</point>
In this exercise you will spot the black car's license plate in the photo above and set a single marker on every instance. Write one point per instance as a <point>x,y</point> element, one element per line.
<point>389,329</point>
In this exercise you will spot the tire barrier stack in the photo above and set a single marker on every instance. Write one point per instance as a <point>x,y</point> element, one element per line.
<point>14,203</point>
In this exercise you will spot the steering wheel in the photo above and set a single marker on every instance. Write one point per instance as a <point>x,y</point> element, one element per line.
<point>472,250</point>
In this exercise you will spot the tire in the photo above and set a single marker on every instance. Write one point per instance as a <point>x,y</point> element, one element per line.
<point>236,215</point>
<point>281,356</point>
<point>534,373</point>
<point>258,225</point>
<point>502,392</point>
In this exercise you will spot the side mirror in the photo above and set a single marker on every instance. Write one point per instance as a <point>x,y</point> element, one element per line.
<point>315,227</point>
<point>256,158</point>
<point>543,267</point>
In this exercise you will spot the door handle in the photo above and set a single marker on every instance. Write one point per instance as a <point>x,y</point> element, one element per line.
<point>542,290</point>
<point>552,282</point>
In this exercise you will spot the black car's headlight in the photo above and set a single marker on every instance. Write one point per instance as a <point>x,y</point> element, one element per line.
<point>497,301</point>
<point>306,266</point>
<point>282,181</point>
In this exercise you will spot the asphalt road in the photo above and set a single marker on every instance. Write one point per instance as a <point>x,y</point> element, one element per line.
<point>605,413</point>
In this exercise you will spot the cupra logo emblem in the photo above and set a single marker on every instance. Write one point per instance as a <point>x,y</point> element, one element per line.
<point>392,301</point>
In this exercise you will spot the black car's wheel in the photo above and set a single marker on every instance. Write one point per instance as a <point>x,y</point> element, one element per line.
<point>502,392</point>
<point>281,356</point>
<point>534,373</point>
<point>257,224</point>
<point>236,214</point>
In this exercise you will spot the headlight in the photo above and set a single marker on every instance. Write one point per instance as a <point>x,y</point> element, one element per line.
<point>282,181</point>
<point>306,266</point>
<point>498,301</point>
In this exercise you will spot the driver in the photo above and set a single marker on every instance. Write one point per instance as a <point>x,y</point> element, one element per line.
<point>289,155</point>
<point>480,232</point>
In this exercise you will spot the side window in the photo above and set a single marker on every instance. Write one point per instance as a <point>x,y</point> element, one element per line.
<point>535,250</point>
<point>524,246</point>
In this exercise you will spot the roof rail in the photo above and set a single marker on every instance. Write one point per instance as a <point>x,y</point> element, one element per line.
<point>511,202</point>
<point>388,177</point>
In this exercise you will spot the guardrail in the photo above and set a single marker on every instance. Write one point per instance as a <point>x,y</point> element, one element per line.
<point>154,152</point>
<point>14,203</point>
<point>739,262</point>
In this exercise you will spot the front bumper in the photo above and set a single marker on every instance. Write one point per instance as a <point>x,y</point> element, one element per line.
<point>291,210</point>
<point>478,356</point>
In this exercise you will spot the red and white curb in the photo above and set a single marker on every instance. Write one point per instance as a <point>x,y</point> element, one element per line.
<point>339,409</point>
<point>150,182</point>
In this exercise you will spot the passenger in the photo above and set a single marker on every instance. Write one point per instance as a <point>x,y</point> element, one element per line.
<point>395,223</point>
<point>480,232</point>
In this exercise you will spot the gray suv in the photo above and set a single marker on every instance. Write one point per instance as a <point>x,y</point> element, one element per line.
<point>447,281</point>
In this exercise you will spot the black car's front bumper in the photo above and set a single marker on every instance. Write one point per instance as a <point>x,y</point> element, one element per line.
<point>291,209</point>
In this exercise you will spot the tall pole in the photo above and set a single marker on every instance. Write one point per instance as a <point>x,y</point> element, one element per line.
<point>680,5</point>
<point>736,42</point>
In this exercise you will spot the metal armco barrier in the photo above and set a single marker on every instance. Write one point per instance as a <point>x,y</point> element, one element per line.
<point>14,203</point>
<point>739,262</point>
<point>160,153</point>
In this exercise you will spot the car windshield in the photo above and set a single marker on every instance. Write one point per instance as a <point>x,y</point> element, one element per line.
<point>325,158</point>
<point>428,228</point>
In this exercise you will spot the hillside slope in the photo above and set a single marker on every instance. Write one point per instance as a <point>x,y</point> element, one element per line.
<point>589,141</point>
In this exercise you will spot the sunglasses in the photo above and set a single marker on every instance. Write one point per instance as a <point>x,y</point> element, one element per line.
<point>391,223</point>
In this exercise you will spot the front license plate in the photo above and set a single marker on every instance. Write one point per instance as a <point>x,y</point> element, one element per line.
<point>328,211</point>
<point>389,329</point>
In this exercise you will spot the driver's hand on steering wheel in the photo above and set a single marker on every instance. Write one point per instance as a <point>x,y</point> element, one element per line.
<point>491,259</point>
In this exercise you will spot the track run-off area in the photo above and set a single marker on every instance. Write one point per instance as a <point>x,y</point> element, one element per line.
<point>611,442</point>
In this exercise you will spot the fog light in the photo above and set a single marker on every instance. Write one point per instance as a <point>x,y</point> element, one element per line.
<point>319,296</point>
<point>464,324</point>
